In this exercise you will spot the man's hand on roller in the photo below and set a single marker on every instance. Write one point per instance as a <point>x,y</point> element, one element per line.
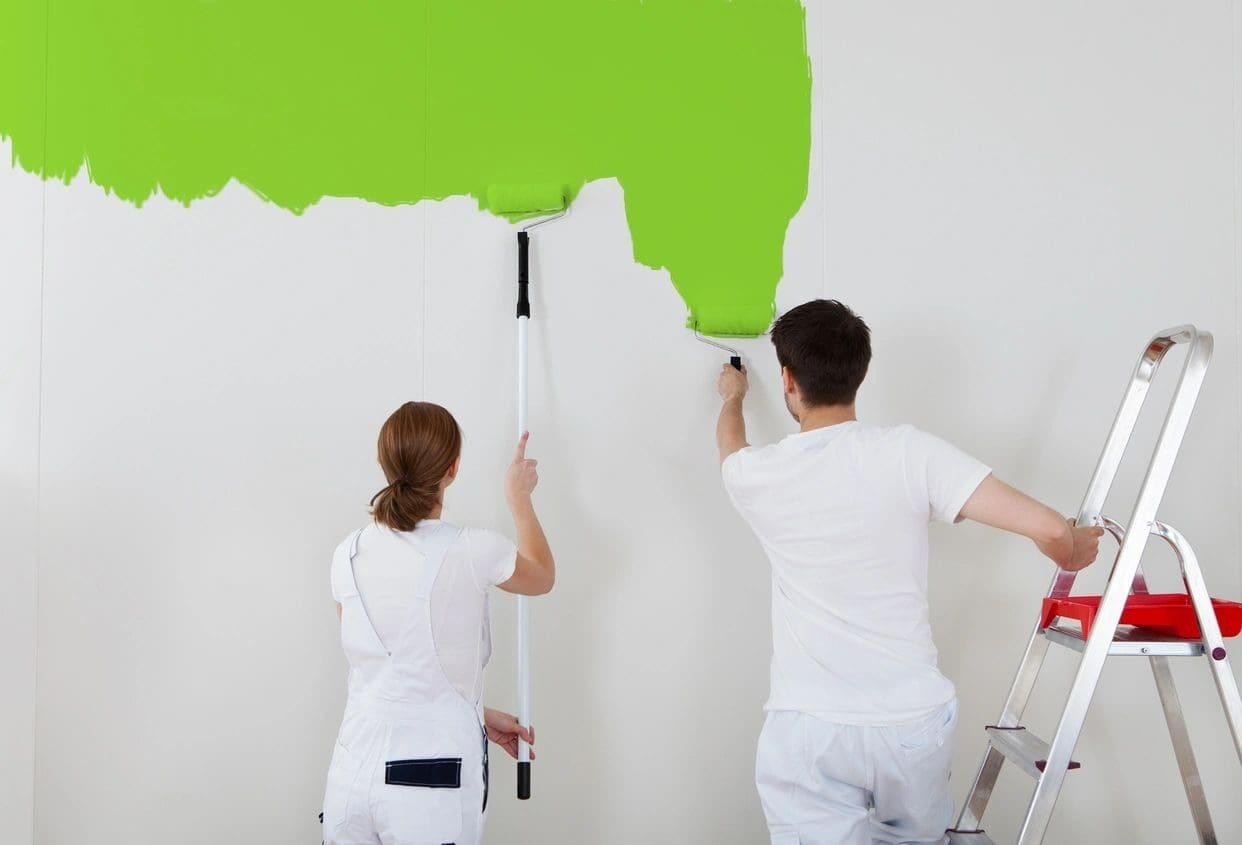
<point>732,383</point>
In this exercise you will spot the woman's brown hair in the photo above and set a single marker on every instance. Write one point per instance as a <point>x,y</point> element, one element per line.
<point>417,447</point>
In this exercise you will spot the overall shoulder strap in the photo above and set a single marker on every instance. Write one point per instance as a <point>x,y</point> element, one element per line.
<point>343,581</point>
<point>437,547</point>
<point>353,542</point>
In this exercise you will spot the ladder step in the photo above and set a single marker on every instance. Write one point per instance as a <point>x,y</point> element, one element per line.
<point>969,837</point>
<point>1022,747</point>
<point>1130,642</point>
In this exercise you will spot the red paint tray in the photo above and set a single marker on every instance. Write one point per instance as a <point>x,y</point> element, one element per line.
<point>1168,613</point>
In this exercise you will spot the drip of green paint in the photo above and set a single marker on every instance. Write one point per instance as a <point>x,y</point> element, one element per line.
<point>699,108</point>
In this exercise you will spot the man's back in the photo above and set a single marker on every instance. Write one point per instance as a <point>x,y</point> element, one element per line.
<point>842,512</point>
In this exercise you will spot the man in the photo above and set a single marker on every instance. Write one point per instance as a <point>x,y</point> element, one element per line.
<point>858,737</point>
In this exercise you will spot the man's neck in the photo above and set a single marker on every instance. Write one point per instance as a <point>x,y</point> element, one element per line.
<point>826,415</point>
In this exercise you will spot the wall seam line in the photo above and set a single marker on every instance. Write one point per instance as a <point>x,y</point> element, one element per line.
<point>816,79</point>
<point>38,520</point>
<point>1237,282</point>
<point>422,341</point>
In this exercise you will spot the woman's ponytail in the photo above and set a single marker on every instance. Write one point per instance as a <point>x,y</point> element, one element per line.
<point>418,446</point>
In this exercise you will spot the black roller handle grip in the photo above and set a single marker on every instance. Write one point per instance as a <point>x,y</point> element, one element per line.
<point>523,783</point>
<point>523,301</point>
<point>736,361</point>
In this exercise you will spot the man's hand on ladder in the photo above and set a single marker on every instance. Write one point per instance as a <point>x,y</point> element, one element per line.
<point>1076,549</point>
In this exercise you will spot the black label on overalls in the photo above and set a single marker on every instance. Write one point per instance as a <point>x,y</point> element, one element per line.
<point>433,773</point>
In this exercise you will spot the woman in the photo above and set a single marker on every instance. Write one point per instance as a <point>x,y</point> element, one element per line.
<point>410,763</point>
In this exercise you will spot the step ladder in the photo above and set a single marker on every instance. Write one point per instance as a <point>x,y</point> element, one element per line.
<point>1048,763</point>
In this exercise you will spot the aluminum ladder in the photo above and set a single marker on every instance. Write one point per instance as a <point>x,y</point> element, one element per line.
<point>1048,763</point>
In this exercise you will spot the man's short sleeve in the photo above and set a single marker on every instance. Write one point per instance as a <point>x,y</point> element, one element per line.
<point>493,557</point>
<point>941,475</point>
<point>735,472</point>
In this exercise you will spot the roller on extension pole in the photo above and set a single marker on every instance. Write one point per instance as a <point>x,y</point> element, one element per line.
<point>523,202</point>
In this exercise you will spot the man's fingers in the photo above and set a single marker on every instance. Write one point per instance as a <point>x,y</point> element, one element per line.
<point>526,734</point>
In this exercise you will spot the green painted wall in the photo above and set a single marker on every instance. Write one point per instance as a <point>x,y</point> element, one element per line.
<point>701,109</point>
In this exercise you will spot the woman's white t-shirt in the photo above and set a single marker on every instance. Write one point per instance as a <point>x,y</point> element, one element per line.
<point>386,570</point>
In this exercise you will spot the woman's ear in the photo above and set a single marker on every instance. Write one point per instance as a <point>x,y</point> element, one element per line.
<point>451,475</point>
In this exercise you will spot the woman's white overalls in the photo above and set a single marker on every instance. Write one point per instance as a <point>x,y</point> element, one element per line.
<point>410,764</point>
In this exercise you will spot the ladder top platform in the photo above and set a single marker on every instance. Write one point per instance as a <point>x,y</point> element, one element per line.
<point>1129,642</point>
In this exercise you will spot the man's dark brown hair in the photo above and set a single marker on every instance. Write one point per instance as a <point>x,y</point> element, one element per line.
<point>827,349</point>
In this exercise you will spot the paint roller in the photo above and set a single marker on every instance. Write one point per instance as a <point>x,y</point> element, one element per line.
<point>524,202</point>
<point>726,321</point>
<point>735,357</point>
<point>519,202</point>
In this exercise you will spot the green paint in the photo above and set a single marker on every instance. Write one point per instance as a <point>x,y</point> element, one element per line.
<point>701,110</point>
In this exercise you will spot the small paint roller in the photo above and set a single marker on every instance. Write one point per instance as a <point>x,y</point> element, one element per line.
<point>729,321</point>
<point>735,357</point>
<point>524,202</point>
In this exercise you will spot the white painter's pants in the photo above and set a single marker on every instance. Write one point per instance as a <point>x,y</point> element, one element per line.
<point>823,783</point>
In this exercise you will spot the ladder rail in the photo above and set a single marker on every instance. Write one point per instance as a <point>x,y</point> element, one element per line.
<point>1183,751</point>
<point>1170,701</point>
<point>1132,402</point>
<point>1143,516</point>
<point>1209,630</point>
<point>980,793</point>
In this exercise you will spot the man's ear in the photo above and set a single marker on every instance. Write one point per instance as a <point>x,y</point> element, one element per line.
<point>787,379</point>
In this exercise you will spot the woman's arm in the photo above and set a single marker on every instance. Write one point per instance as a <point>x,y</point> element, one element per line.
<point>504,730</point>
<point>535,572</point>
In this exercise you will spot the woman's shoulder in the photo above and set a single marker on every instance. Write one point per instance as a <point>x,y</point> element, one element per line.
<point>491,555</point>
<point>349,543</point>
<point>482,538</point>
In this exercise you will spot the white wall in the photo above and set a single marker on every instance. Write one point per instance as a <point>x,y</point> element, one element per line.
<point>1014,199</point>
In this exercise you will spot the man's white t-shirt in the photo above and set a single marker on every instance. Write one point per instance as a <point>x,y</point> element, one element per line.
<point>842,513</point>
<point>387,567</point>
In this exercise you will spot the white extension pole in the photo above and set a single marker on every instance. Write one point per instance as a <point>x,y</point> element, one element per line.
<point>523,667</point>
<point>523,664</point>
<point>561,208</point>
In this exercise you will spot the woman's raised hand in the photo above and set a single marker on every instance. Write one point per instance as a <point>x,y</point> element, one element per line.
<point>522,476</point>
